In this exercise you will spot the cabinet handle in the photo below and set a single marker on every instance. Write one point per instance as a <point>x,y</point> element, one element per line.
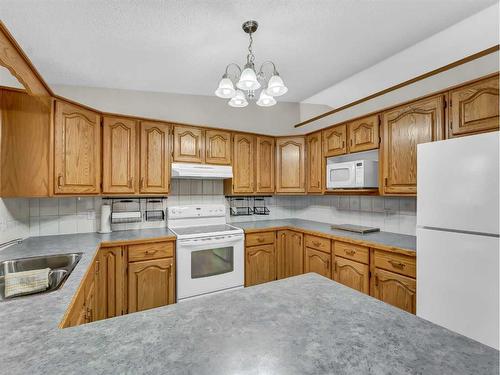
<point>376,280</point>
<point>142,182</point>
<point>343,144</point>
<point>397,265</point>
<point>351,142</point>
<point>151,252</point>
<point>328,263</point>
<point>317,244</point>
<point>88,315</point>
<point>260,239</point>
<point>350,252</point>
<point>59,180</point>
<point>385,181</point>
<point>97,267</point>
<point>130,182</point>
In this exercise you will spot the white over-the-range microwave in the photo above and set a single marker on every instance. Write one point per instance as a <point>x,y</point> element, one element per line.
<point>355,174</point>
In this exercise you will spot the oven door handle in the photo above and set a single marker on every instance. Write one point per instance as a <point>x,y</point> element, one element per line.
<point>204,244</point>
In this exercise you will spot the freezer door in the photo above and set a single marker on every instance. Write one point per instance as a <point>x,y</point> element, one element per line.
<point>457,283</point>
<point>457,184</point>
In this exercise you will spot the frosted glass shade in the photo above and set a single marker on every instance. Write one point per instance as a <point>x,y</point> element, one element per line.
<point>248,80</point>
<point>226,89</point>
<point>238,100</point>
<point>265,100</point>
<point>275,86</point>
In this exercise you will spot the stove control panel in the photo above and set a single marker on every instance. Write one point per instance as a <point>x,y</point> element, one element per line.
<point>194,211</point>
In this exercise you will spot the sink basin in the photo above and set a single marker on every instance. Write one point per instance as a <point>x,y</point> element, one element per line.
<point>60,266</point>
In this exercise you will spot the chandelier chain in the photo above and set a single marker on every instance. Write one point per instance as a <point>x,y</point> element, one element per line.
<point>250,56</point>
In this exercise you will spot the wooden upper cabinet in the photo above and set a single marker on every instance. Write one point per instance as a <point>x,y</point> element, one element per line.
<point>474,108</point>
<point>315,167</point>
<point>352,274</point>
<point>150,284</point>
<point>397,290</point>
<point>403,129</point>
<point>265,164</point>
<point>243,163</point>
<point>364,134</point>
<point>77,150</point>
<point>290,164</point>
<point>188,144</point>
<point>335,140</point>
<point>120,161</point>
<point>218,147</point>
<point>155,158</point>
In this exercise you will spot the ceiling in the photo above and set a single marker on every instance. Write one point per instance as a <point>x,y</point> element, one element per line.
<point>183,46</point>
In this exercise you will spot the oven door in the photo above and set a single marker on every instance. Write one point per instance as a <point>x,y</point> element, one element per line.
<point>341,175</point>
<point>206,265</point>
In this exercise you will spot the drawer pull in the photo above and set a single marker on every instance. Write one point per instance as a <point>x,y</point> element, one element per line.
<point>59,180</point>
<point>376,280</point>
<point>261,239</point>
<point>398,265</point>
<point>151,252</point>
<point>317,243</point>
<point>336,269</point>
<point>350,252</point>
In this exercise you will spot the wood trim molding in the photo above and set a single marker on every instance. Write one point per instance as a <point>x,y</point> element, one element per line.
<point>402,84</point>
<point>15,60</point>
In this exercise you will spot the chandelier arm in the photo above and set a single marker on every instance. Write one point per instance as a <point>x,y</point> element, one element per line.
<point>261,70</point>
<point>227,71</point>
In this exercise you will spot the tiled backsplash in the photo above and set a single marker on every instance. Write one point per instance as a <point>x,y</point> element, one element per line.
<point>21,217</point>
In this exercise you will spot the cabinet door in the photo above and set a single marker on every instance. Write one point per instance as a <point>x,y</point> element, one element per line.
<point>218,147</point>
<point>352,274</point>
<point>77,313</point>
<point>77,150</point>
<point>260,264</point>
<point>243,163</point>
<point>120,162</point>
<point>317,261</point>
<point>363,134</point>
<point>265,164</point>
<point>474,108</point>
<point>397,290</point>
<point>188,143</point>
<point>403,129</point>
<point>110,283</point>
<point>289,254</point>
<point>335,141</point>
<point>315,167</point>
<point>155,158</point>
<point>290,164</point>
<point>150,284</point>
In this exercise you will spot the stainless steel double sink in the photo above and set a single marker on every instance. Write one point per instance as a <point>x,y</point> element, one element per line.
<point>60,266</point>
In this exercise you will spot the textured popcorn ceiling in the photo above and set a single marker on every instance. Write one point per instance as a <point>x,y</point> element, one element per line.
<point>183,46</point>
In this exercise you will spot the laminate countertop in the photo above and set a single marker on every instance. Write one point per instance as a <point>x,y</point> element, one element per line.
<point>307,324</point>
<point>385,240</point>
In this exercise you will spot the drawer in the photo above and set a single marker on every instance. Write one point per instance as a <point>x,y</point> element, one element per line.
<point>318,243</point>
<point>262,238</point>
<point>351,251</point>
<point>147,251</point>
<point>398,263</point>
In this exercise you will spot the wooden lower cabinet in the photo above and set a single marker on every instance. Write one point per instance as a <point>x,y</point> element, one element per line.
<point>113,287</point>
<point>352,274</point>
<point>289,253</point>
<point>260,264</point>
<point>317,261</point>
<point>150,284</point>
<point>395,289</point>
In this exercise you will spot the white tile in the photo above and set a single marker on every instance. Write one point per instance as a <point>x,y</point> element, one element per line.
<point>208,187</point>
<point>49,225</point>
<point>378,204</point>
<point>34,207</point>
<point>174,186</point>
<point>84,225</point>
<point>184,187</point>
<point>354,203</point>
<point>344,203</point>
<point>68,224</point>
<point>83,204</point>
<point>67,206</point>
<point>218,187</point>
<point>366,204</point>
<point>34,226</point>
<point>391,204</point>
<point>408,205</point>
<point>49,206</point>
<point>196,187</point>
<point>334,200</point>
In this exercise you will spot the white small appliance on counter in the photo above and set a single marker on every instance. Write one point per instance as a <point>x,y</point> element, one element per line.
<point>458,235</point>
<point>210,253</point>
<point>351,174</point>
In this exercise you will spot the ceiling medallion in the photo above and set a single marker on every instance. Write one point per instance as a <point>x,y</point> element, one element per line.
<point>249,81</point>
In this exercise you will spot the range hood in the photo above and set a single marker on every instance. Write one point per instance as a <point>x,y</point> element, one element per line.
<point>205,171</point>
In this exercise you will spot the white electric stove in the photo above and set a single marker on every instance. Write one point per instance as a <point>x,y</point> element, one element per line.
<point>209,251</point>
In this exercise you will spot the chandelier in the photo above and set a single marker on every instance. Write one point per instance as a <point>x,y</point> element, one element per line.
<point>249,81</point>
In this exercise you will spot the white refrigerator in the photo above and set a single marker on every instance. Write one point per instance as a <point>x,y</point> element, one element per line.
<point>458,235</point>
